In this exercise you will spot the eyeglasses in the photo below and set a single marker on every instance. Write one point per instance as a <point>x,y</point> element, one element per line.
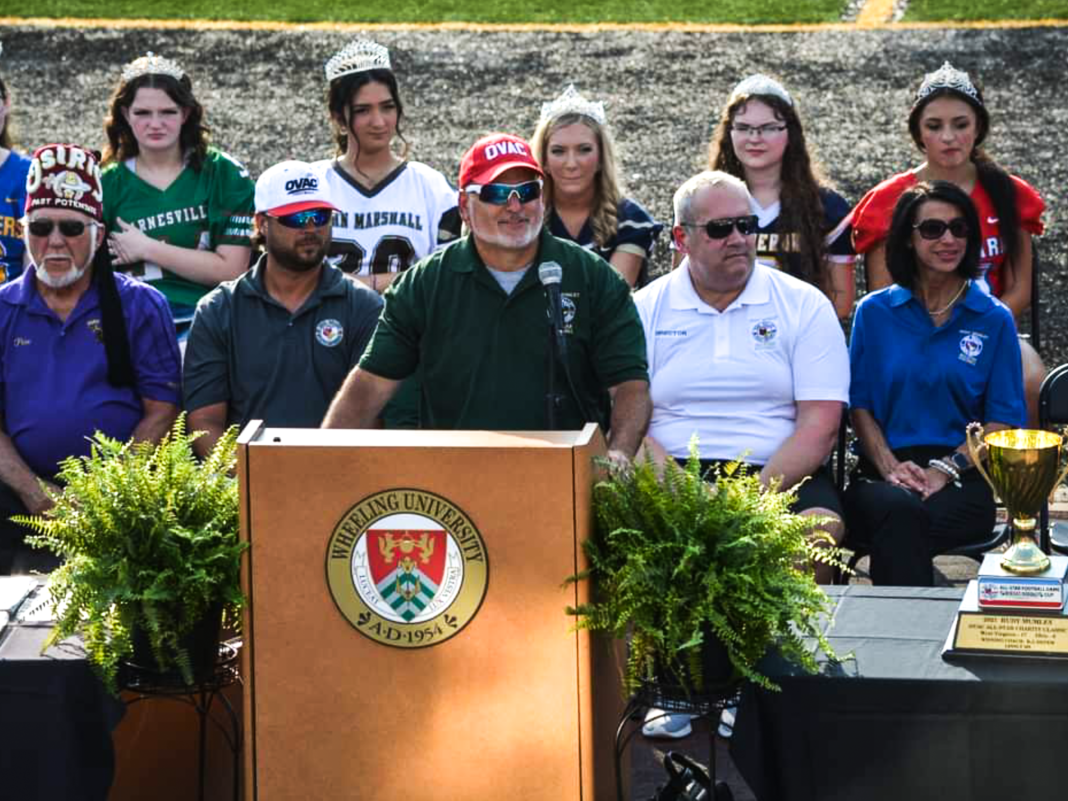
<point>763,131</point>
<point>500,194</point>
<point>69,228</point>
<point>300,219</point>
<point>936,229</point>
<point>721,229</point>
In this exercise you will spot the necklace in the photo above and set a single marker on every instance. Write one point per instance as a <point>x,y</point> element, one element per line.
<point>952,300</point>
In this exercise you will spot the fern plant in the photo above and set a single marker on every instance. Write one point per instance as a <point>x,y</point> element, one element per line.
<point>149,536</point>
<point>677,555</point>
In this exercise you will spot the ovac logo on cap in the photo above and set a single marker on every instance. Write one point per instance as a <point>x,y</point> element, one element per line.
<point>302,186</point>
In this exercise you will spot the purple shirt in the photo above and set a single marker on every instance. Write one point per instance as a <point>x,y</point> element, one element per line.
<point>54,391</point>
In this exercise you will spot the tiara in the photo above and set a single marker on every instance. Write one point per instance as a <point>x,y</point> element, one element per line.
<point>357,56</point>
<point>571,102</point>
<point>948,77</point>
<point>151,64</point>
<point>760,85</point>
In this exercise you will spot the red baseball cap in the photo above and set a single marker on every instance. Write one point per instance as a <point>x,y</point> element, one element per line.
<point>491,155</point>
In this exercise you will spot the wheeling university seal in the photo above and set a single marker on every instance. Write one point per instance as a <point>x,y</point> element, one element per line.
<point>407,568</point>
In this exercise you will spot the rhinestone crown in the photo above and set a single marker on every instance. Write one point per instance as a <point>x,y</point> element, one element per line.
<point>760,85</point>
<point>948,77</point>
<point>357,56</point>
<point>151,64</point>
<point>571,102</point>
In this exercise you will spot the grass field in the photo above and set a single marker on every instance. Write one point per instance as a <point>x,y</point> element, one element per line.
<point>548,11</point>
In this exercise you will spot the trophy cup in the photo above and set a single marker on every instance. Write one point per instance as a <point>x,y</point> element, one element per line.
<point>1016,607</point>
<point>1024,467</point>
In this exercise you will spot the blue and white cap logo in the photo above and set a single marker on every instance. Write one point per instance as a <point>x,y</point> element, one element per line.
<point>329,332</point>
<point>289,187</point>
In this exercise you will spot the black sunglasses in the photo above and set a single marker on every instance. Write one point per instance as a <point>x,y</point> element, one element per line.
<point>936,229</point>
<point>69,228</point>
<point>300,219</point>
<point>721,229</point>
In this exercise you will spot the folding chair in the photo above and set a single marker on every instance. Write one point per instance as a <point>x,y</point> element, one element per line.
<point>1053,411</point>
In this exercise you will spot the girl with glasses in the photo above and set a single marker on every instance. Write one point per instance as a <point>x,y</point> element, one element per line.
<point>391,211</point>
<point>803,222</point>
<point>178,211</point>
<point>584,200</point>
<point>928,355</point>
<point>13,169</point>
<point>949,123</point>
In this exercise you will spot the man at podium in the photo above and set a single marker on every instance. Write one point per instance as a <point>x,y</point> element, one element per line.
<point>512,328</point>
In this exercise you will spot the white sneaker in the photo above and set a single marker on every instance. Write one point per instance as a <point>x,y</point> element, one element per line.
<point>661,724</point>
<point>726,722</point>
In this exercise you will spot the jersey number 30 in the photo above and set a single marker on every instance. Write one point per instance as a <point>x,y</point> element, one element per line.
<point>391,255</point>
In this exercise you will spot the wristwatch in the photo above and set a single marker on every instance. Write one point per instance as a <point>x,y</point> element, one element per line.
<point>960,461</point>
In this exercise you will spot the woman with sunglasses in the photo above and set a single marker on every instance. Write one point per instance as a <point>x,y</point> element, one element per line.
<point>804,225</point>
<point>928,355</point>
<point>584,202</point>
<point>391,211</point>
<point>178,212</point>
<point>949,123</point>
<point>13,169</point>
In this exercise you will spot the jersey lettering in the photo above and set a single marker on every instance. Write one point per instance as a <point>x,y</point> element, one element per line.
<point>392,254</point>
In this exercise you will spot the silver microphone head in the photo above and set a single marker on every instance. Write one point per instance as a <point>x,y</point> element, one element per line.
<point>550,272</point>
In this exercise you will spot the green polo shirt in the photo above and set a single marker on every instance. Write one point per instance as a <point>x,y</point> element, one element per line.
<point>484,354</point>
<point>247,350</point>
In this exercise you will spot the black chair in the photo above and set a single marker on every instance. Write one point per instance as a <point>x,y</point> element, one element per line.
<point>1053,411</point>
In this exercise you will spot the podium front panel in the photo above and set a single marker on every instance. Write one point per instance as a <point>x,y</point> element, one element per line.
<point>502,705</point>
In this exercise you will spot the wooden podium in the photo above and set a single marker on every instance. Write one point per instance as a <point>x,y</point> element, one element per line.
<point>406,634</point>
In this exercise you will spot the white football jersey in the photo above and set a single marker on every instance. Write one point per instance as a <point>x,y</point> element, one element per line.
<point>387,229</point>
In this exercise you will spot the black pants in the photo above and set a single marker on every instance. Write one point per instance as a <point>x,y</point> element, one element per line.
<point>16,557</point>
<point>902,532</point>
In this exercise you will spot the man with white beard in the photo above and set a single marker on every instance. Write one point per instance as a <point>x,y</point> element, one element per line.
<point>474,319</point>
<point>81,348</point>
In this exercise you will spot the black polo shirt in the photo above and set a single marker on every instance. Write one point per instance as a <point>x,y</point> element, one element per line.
<point>247,350</point>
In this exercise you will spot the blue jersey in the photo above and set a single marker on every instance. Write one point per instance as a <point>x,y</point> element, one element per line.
<point>923,384</point>
<point>12,205</point>
<point>636,231</point>
<point>837,243</point>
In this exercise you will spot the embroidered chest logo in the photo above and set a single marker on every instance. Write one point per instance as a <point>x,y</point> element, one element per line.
<point>97,329</point>
<point>22,341</point>
<point>971,345</point>
<point>329,332</point>
<point>765,332</point>
<point>569,309</point>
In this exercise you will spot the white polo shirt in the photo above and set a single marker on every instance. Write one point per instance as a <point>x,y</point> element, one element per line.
<point>734,377</point>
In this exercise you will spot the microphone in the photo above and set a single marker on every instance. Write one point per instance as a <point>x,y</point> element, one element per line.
<point>551,275</point>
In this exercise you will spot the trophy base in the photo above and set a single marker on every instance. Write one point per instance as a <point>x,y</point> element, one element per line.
<point>1025,558</point>
<point>1023,635</point>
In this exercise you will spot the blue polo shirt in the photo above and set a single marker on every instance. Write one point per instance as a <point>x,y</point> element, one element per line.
<point>54,391</point>
<point>923,384</point>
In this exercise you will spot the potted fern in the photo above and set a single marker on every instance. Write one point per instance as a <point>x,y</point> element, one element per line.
<point>149,538</point>
<point>684,565</point>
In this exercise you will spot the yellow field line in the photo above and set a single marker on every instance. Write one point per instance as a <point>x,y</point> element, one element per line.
<point>685,27</point>
<point>875,12</point>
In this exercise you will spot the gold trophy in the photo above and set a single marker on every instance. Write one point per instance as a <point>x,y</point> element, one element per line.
<point>1024,469</point>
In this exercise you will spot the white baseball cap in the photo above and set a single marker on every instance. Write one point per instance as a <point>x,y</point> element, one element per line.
<point>289,187</point>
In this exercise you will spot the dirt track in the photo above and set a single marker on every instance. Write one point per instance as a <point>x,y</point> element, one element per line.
<point>263,92</point>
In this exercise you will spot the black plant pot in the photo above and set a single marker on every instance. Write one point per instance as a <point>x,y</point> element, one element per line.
<point>201,643</point>
<point>667,691</point>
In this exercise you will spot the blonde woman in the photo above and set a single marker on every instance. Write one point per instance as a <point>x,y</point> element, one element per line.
<point>583,198</point>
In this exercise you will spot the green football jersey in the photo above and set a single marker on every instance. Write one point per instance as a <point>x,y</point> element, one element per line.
<point>200,209</point>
